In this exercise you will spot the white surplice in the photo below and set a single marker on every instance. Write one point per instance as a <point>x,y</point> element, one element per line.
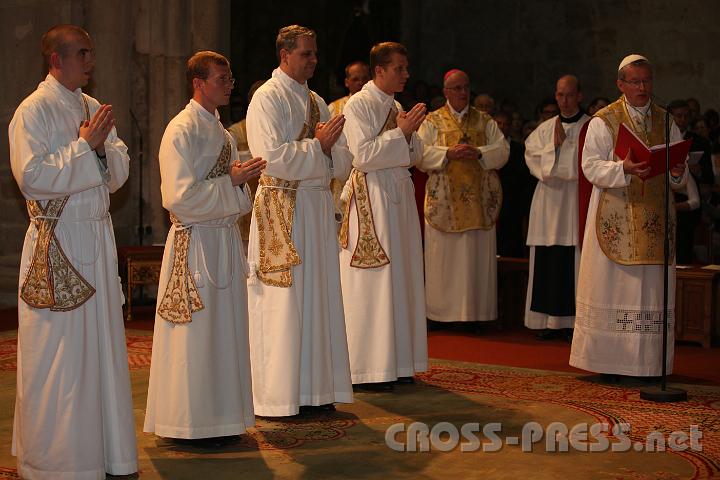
<point>384,306</point>
<point>73,410</point>
<point>200,383</point>
<point>554,207</point>
<point>618,319</point>
<point>297,334</point>
<point>461,267</point>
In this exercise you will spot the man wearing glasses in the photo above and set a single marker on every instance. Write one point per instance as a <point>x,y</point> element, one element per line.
<point>200,384</point>
<point>463,150</point>
<point>618,323</point>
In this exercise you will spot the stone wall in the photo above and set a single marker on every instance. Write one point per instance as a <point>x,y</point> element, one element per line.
<point>516,49</point>
<point>141,49</point>
<point>511,48</point>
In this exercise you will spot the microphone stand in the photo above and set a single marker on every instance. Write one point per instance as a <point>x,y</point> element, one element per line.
<point>141,228</point>
<point>663,393</point>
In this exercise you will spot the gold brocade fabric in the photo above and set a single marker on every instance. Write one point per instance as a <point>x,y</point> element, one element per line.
<point>368,252</point>
<point>462,196</point>
<point>181,298</point>
<point>274,210</point>
<point>52,282</point>
<point>336,186</point>
<point>630,221</point>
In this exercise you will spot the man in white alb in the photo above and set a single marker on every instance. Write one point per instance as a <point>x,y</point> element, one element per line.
<point>73,408</point>
<point>382,276</point>
<point>619,306</point>
<point>297,327</point>
<point>551,154</point>
<point>200,384</point>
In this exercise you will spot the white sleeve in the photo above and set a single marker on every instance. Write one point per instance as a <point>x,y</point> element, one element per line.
<point>44,173</point>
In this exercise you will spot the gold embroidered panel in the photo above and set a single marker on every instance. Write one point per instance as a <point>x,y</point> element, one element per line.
<point>274,211</point>
<point>181,297</point>
<point>630,221</point>
<point>369,253</point>
<point>462,196</point>
<point>52,282</point>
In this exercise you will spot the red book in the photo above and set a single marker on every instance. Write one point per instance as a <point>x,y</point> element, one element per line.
<point>655,155</point>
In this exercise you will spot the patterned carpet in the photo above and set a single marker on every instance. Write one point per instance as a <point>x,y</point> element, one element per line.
<point>351,442</point>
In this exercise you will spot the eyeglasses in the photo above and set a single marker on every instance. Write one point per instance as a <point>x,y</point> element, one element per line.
<point>637,83</point>
<point>459,88</point>
<point>223,80</point>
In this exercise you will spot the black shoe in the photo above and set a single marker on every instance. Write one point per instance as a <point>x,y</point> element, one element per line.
<point>327,408</point>
<point>548,334</point>
<point>610,378</point>
<point>405,380</point>
<point>374,387</point>
<point>204,443</point>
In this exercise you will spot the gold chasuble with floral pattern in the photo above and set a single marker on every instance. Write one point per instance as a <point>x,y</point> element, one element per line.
<point>274,210</point>
<point>52,282</point>
<point>181,298</point>
<point>630,221</point>
<point>368,253</point>
<point>462,196</point>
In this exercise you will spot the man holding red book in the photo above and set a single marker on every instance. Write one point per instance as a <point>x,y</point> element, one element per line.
<point>619,307</point>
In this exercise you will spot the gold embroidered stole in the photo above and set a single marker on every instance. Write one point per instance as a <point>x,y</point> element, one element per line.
<point>181,298</point>
<point>630,220</point>
<point>462,196</point>
<point>337,186</point>
<point>368,252</point>
<point>274,211</point>
<point>52,282</point>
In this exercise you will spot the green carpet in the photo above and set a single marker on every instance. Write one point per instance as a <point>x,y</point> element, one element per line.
<point>351,442</point>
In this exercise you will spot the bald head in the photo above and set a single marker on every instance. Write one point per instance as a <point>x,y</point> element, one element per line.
<point>568,95</point>
<point>58,40</point>
<point>485,103</point>
<point>357,74</point>
<point>457,89</point>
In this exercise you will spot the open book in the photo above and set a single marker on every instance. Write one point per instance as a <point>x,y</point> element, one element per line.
<point>655,155</point>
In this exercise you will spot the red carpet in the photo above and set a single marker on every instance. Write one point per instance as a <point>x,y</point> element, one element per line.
<point>513,348</point>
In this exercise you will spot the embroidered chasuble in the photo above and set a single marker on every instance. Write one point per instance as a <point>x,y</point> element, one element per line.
<point>181,298</point>
<point>52,281</point>
<point>462,196</point>
<point>368,251</point>
<point>274,210</point>
<point>630,222</point>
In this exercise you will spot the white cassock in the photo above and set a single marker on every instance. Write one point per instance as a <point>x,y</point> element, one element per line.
<point>384,306</point>
<point>461,267</point>
<point>73,409</point>
<point>554,207</point>
<point>200,383</point>
<point>610,294</point>
<point>297,333</point>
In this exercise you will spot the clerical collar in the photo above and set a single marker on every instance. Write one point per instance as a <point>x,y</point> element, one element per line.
<point>202,111</point>
<point>458,114</point>
<point>55,84</point>
<point>572,119</point>
<point>290,82</point>
<point>640,111</point>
